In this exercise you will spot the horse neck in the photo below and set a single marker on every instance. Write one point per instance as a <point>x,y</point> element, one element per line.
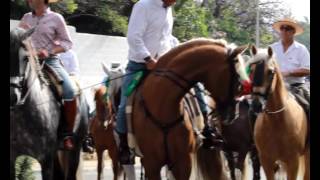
<point>279,93</point>
<point>163,97</point>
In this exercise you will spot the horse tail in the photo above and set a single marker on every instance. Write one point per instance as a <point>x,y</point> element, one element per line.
<point>209,164</point>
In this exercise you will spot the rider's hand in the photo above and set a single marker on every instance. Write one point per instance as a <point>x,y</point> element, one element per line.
<point>151,63</point>
<point>43,54</point>
<point>24,25</point>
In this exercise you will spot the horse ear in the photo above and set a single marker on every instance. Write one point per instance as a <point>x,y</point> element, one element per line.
<point>105,68</point>
<point>238,50</point>
<point>270,52</point>
<point>27,34</point>
<point>253,50</point>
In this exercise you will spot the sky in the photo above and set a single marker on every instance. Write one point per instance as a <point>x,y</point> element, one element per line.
<point>299,8</point>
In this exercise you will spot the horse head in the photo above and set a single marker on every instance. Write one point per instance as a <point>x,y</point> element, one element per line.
<point>20,51</point>
<point>238,78</point>
<point>262,68</point>
<point>114,79</point>
<point>108,96</point>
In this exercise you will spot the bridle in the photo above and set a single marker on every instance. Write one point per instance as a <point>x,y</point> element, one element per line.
<point>20,81</point>
<point>186,84</point>
<point>258,81</point>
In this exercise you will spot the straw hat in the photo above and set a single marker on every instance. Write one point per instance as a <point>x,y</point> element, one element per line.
<point>53,1</point>
<point>290,22</point>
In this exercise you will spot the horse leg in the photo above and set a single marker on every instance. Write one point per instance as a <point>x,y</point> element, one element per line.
<point>47,167</point>
<point>152,169</point>
<point>231,165</point>
<point>292,167</point>
<point>268,167</point>
<point>307,164</point>
<point>255,163</point>
<point>73,159</point>
<point>12,170</point>
<point>182,169</point>
<point>100,163</point>
<point>243,164</point>
<point>115,163</point>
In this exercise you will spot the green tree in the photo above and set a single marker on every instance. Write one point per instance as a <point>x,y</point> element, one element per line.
<point>191,21</point>
<point>19,7</point>
<point>304,38</point>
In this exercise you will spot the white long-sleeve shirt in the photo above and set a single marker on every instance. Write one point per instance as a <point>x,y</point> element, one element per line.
<point>70,62</point>
<point>149,30</point>
<point>296,57</point>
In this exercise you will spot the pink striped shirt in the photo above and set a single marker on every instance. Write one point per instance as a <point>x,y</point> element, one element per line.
<point>50,29</point>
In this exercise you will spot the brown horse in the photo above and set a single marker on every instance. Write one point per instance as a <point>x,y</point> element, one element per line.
<point>163,134</point>
<point>107,100</point>
<point>281,128</point>
<point>238,139</point>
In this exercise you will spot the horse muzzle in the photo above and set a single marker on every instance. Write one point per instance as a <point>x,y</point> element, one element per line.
<point>258,104</point>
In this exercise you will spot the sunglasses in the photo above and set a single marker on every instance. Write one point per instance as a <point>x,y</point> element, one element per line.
<point>286,28</point>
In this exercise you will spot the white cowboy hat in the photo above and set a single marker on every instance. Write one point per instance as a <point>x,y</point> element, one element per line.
<point>290,22</point>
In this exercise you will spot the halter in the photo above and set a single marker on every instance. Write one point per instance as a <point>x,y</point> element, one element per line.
<point>258,81</point>
<point>21,82</point>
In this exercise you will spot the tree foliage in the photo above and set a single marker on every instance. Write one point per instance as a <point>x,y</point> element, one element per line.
<point>191,21</point>
<point>234,20</point>
<point>304,38</point>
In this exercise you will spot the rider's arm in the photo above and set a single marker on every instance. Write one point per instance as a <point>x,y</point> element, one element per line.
<point>304,64</point>
<point>136,30</point>
<point>63,36</point>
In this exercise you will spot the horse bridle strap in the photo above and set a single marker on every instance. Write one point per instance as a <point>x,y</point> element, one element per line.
<point>175,78</point>
<point>22,79</point>
<point>232,81</point>
<point>267,93</point>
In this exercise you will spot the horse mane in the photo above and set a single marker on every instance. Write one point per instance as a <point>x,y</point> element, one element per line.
<point>193,43</point>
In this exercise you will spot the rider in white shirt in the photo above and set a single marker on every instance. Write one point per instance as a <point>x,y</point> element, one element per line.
<point>293,59</point>
<point>70,62</point>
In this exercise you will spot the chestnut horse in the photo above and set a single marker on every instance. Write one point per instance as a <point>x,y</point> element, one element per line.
<point>163,134</point>
<point>280,131</point>
<point>107,99</point>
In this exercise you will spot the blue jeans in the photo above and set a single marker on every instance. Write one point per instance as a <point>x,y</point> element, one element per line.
<point>121,126</point>
<point>200,98</point>
<point>68,91</point>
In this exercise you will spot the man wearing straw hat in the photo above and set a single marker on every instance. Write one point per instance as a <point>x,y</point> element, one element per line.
<point>49,28</point>
<point>293,59</point>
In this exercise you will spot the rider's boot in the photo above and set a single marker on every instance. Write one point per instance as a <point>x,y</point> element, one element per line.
<point>126,156</point>
<point>70,112</point>
<point>212,138</point>
<point>88,144</point>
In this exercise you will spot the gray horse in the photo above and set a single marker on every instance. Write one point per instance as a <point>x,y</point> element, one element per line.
<point>36,114</point>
